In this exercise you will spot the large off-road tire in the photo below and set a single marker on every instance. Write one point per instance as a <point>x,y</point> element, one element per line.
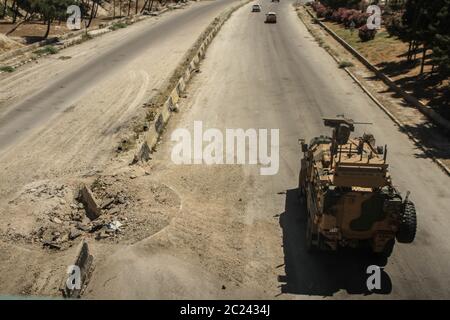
<point>388,248</point>
<point>407,229</point>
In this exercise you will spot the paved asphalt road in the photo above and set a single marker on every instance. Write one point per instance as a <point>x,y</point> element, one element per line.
<point>65,88</point>
<point>259,75</point>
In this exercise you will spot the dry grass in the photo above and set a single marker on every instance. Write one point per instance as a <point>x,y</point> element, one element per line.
<point>388,53</point>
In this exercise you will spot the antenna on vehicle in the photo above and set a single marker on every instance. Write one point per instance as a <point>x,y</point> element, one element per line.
<point>342,127</point>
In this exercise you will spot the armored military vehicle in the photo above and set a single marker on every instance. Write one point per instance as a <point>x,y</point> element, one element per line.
<point>349,195</point>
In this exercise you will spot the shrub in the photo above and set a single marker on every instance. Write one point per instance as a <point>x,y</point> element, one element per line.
<point>342,13</point>
<point>336,16</point>
<point>348,16</point>
<point>7,69</point>
<point>118,25</point>
<point>321,12</point>
<point>86,36</point>
<point>358,18</point>
<point>46,50</point>
<point>366,34</point>
<point>345,64</point>
<point>394,24</point>
<point>320,9</point>
<point>361,19</point>
<point>329,14</point>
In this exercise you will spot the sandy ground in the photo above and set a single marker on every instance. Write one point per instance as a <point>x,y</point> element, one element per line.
<point>60,123</point>
<point>239,234</point>
<point>8,44</point>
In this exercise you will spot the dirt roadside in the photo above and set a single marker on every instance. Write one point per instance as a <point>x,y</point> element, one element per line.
<point>424,133</point>
<point>28,54</point>
<point>43,171</point>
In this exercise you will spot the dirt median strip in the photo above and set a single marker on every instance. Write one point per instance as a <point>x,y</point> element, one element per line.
<point>167,100</point>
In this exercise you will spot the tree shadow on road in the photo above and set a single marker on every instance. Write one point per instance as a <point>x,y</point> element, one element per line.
<point>322,273</point>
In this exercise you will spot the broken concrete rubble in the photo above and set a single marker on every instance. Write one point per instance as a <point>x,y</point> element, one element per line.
<point>93,211</point>
<point>56,220</point>
<point>74,233</point>
<point>107,203</point>
<point>114,210</point>
<point>83,227</point>
<point>123,203</point>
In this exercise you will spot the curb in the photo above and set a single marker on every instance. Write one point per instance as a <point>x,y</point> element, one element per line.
<point>170,105</point>
<point>385,110</point>
<point>426,110</point>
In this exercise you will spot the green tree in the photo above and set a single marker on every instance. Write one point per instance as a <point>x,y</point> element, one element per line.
<point>440,44</point>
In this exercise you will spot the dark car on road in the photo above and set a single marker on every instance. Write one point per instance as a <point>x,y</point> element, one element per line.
<point>256,8</point>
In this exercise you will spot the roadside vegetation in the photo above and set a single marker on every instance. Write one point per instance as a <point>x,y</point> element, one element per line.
<point>46,50</point>
<point>6,69</point>
<point>412,46</point>
<point>118,25</point>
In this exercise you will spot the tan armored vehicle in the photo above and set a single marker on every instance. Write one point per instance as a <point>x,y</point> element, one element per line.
<point>349,194</point>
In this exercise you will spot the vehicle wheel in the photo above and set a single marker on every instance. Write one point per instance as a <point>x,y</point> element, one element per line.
<point>388,248</point>
<point>407,229</point>
<point>301,192</point>
<point>309,235</point>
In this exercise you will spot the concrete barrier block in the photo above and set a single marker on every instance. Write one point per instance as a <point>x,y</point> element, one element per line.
<point>174,96</point>
<point>72,287</point>
<point>86,196</point>
<point>167,110</point>
<point>181,86</point>
<point>187,76</point>
<point>152,137</point>
<point>144,152</point>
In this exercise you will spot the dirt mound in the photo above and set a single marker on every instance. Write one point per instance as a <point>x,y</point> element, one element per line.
<point>7,44</point>
<point>51,215</point>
